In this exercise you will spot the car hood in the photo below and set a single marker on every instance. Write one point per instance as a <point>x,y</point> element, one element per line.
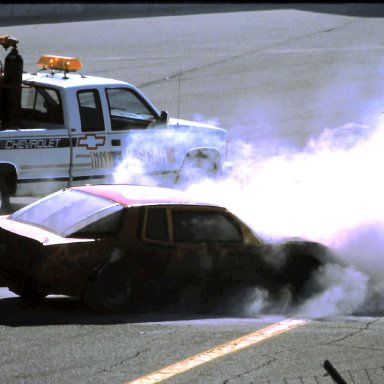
<point>35,233</point>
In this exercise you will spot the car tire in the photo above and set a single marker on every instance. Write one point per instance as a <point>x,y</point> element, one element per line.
<point>109,289</point>
<point>298,275</point>
<point>4,195</point>
<point>30,295</point>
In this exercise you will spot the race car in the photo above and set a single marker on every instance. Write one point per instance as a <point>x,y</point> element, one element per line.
<point>119,246</point>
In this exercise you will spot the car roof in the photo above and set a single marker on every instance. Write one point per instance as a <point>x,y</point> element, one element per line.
<point>134,195</point>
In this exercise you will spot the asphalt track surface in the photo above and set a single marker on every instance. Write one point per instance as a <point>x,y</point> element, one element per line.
<point>275,78</point>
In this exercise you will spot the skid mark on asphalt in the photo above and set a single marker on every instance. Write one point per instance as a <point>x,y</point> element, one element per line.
<point>219,351</point>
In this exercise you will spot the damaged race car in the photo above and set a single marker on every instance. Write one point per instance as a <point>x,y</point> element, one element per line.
<point>119,246</point>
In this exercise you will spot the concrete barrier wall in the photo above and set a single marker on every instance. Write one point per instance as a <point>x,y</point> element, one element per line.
<point>13,14</point>
<point>16,12</point>
<point>24,13</point>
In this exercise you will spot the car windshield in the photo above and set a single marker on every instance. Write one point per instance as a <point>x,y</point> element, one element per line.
<point>69,211</point>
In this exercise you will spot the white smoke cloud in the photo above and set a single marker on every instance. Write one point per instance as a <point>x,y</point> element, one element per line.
<point>315,193</point>
<point>329,192</point>
<point>132,171</point>
<point>201,119</point>
<point>154,155</point>
<point>345,290</point>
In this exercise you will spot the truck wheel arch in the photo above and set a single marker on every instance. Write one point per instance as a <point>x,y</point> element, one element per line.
<point>205,161</point>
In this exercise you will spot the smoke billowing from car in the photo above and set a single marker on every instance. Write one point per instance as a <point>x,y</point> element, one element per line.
<point>331,192</point>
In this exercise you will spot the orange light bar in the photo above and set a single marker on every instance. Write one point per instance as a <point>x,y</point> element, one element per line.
<point>60,63</point>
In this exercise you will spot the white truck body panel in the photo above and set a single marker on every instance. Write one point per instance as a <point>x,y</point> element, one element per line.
<point>100,127</point>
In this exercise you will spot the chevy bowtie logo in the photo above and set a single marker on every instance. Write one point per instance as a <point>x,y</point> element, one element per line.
<point>91,141</point>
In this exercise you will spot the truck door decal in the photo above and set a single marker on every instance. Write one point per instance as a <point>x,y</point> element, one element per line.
<point>151,155</point>
<point>91,141</point>
<point>102,159</point>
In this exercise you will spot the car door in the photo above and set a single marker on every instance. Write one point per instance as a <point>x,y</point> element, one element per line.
<point>197,241</point>
<point>211,248</point>
<point>210,240</point>
<point>195,246</point>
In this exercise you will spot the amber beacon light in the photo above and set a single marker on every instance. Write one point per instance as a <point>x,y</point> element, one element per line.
<point>59,63</point>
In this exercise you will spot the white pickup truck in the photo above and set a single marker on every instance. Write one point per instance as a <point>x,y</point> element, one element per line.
<point>60,128</point>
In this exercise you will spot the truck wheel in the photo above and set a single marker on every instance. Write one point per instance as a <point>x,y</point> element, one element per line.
<point>195,169</point>
<point>4,195</point>
<point>109,289</point>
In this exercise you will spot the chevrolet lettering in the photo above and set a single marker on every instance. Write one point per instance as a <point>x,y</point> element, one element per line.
<point>31,143</point>
<point>60,128</point>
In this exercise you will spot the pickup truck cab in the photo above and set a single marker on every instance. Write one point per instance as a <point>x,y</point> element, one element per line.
<point>69,129</point>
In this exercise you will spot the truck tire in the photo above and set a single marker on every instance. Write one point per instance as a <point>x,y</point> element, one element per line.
<point>4,196</point>
<point>196,168</point>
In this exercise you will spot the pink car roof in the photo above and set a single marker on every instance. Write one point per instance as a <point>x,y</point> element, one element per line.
<point>130,195</point>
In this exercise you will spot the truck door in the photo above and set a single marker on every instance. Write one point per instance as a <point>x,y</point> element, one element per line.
<point>40,147</point>
<point>91,159</point>
<point>146,146</point>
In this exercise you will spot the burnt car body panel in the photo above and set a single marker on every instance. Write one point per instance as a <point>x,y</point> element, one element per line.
<point>134,243</point>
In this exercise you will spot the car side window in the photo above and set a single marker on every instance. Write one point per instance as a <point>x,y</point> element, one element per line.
<point>105,226</point>
<point>128,110</point>
<point>156,224</point>
<point>91,114</point>
<point>191,226</point>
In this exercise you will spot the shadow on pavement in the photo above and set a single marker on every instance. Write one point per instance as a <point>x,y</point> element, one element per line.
<point>62,310</point>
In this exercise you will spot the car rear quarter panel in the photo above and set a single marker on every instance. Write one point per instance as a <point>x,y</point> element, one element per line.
<point>19,256</point>
<point>66,268</point>
<point>54,267</point>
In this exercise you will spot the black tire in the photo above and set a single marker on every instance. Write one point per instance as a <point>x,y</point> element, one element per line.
<point>30,295</point>
<point>299,272</point>
<point>4,196</point>
<point>109,289</point>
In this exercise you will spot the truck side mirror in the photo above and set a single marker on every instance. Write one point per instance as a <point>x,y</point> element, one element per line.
<point>163,117</point>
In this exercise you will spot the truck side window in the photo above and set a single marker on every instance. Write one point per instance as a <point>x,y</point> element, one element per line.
<point>91,114</point>
<point>128,110</point>
<point>41,107</point>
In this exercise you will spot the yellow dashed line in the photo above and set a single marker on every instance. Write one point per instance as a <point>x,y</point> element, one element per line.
<point>219,351</point>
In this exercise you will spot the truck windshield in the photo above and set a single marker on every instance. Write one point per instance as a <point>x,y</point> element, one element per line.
<point>68,212</point>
